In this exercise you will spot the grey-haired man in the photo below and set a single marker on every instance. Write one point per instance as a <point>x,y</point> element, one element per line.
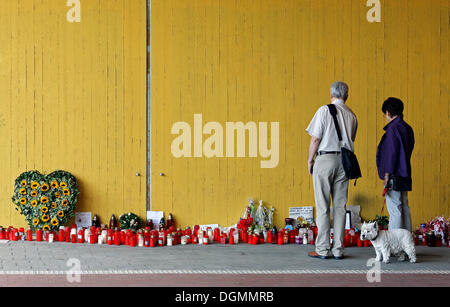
<point>328,174</point>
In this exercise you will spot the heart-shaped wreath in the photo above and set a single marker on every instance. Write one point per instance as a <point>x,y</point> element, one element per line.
<point>47,201</point>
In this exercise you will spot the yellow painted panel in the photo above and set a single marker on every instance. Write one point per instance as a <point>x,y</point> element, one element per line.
<point>73,97</point>
<point>273,61</point>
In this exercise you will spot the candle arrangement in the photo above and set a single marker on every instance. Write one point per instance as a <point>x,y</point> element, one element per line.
<point>255,227</point>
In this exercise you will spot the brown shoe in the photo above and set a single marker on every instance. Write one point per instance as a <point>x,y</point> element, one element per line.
<point>316,255</point>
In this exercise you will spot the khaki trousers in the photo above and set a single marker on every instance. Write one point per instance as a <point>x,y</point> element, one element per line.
<point>330,182</point>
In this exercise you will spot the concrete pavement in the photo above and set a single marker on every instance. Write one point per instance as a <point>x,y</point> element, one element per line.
<point>67,264</point>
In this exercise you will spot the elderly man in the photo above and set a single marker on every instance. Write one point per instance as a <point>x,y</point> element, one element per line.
<point>327,170</point>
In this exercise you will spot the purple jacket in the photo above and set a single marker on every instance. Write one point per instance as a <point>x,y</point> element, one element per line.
<point>395,149</point>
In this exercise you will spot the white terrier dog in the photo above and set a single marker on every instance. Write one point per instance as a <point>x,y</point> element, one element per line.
<point>395,241</point>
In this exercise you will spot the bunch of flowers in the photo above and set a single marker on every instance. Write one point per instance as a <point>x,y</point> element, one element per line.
<point>439,226</point>
<point>130,221</point>
<point>256,220</point>
<point>46,201</point>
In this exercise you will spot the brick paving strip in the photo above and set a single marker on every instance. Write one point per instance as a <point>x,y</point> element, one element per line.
<point>44,264</point>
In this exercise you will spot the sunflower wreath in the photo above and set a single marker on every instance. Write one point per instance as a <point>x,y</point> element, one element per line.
<point>46,201</point>
<point>130,221</point>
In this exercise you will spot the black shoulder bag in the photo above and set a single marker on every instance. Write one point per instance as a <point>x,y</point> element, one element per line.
<point>349,160</point>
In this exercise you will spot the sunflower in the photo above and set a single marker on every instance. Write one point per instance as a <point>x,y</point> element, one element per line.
<point>23,183</point>
<point>34,203</point>
<point>60,213</point>
<point>45,218</point>
<point>57,194</point>
<point>54,184</point>
<point>66,192</point>
<point>44,199</point>
<point>35,222</point>
<point>23,191</point>
<point>44,209</point>
<point>34,193</point>
<point>65,202</point>
<point>46,227</point>
<point>54,222</point>
<point>63,184</point>
<point>53,205</point>
<point>34,185</point>
<point>45,187</point>
<point>23,201</point>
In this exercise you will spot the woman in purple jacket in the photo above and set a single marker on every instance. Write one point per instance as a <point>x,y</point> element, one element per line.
<point>394,163</point>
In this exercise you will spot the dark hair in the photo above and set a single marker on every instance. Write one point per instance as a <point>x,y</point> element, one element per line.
<point>393,105</point>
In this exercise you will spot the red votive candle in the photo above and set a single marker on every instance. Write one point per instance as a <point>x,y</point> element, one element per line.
<point>39,235</point>
<point>117,236</point>
<point>29,234</point>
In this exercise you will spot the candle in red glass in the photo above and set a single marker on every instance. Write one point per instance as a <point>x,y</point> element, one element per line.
<point>109,237</point>
<point>291,236</point>
<point>231,239</point>
<point>280,238</point>
<point>15,234</point>
<point>151,241</point>
<point>67,234</point>
<point>55,236</point>
<point>39,234</point>
<point>132,240</point>
<point>117,237</point>
<point>29,234</point>
<point>245,236</point>
<point>2,233</point>
<point>146,238</point>
<point>179,235</point>
<point>196,228</point>
<point>123,236</point>
<point>92,238</point>
<point>81,235</point>
<point>73,235</point>
<point>188,231</point>
<point>216,234</point>
<point>21,233</point>
<point>269,237</point>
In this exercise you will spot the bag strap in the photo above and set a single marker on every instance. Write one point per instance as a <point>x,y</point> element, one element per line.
<point>333,111</point>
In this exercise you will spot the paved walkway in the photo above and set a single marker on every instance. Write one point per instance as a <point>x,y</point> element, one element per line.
<point>25,263</point>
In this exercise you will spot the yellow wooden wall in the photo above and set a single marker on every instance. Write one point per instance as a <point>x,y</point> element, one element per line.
<point>272,60</point>
<point>73,97</point>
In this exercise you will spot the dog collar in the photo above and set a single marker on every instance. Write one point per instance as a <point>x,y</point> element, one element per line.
<point>376,236</point>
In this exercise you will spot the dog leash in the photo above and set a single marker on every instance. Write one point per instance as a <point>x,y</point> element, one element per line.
<point>384,202</point>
